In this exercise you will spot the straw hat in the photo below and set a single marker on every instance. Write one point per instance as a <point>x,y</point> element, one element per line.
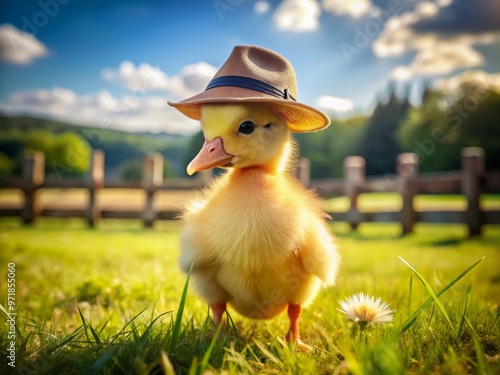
<point>254,74</point>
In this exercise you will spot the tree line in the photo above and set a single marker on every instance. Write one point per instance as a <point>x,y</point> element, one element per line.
<point>67,148</point>
<point>436,129</point>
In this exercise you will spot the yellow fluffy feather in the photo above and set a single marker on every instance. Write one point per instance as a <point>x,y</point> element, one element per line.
<point>257,238</point>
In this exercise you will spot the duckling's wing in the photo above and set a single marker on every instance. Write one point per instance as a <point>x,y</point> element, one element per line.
<point>319,255</point>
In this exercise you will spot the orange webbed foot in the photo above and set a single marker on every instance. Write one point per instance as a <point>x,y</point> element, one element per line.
<point>294,333</point>
<point>220,324</point>
<point>299,343</point>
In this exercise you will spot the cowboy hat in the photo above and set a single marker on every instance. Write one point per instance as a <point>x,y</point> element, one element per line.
<point>254,74</point>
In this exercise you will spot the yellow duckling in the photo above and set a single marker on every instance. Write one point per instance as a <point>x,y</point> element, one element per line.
<point>257,240</point>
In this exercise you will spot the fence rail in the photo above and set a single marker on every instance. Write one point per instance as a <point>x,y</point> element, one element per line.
<point>471,181</point>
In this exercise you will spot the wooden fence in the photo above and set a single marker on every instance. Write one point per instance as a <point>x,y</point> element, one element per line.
<point>471,181</point>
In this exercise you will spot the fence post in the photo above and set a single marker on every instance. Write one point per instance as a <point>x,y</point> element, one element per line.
<point>33,176</point>
<point>473,169</point>
<point>354,179</point>
<point>407,171</point>
<point>152,177</point>
<point>94,183</point>
<point>303,172</point>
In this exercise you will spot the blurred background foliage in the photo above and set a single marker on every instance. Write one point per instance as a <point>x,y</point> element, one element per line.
<point>436,129</point>
<point>443,125</point>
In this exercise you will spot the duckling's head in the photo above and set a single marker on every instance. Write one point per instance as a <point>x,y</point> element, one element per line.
<point>242,136</point>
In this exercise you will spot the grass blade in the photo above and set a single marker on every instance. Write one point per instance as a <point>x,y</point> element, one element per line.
<point>430,290</point>
<point>85,326</point>
<point>103,326</point>
<point>193,370</point>
<point>233,326</point>
<point>481,358</point>
<point>432,293</point>
<point>411,320</point>
<point>122,333</point>
<point>268,354</point>
<point>165,364</point>
<point>410,291</point>
<point>354,365</point>
<point>95,334</point>
<point>151,324</point>
<point>103,359</point>
<point>208,353</point>
<point>180,311</point>
<point>462,316</point>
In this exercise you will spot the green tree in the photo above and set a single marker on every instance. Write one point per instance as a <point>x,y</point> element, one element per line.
<point>118,146</point>
<point>131,170</point>
<point>12,147</point>
<point>192,150</point>
<point>421,131</point>
<point>444,124</point>
<point>73,151</point>
<point>328,148</point>
<point>6,165</point>
<point>379,144</point>
<point>65,154</point>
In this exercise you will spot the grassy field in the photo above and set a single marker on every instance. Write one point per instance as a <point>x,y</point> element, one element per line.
<point>392,202</point>
<point>107,301</point>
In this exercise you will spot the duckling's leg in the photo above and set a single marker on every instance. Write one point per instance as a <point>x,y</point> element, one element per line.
<point>294,333</point>
<point>218,309</point>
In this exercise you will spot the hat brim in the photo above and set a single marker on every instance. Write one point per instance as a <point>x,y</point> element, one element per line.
<point>299,117</point>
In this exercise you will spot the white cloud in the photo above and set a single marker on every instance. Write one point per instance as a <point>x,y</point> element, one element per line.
<point>101,109</point>
<point>191,80</point>
<point>53,101</point>
<point>297,15</point>
<point>399,36</point>
<point>352,8</point>
<point>19,47</point>
<point>452,84</point>
<point>438,51</point>
<point>195,77</point>
<point>138,110</point>
<point>402,73</point>
<point>303,15</point>
<point>427,9</point>
<point>444,3</point>
<point>261,7</point>
<point>144,76</point>
<point>335,104</point>
<point>440,59</point>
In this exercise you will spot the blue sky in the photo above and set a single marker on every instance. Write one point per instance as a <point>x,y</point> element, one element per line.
<point>115,63</point>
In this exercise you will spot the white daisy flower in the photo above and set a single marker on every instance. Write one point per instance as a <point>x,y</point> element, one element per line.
<point>363,308</point>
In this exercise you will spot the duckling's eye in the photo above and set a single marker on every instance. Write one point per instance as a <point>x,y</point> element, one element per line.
<point>246,127</point>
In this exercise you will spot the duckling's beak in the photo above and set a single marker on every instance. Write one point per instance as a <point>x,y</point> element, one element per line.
<point>212,154</point>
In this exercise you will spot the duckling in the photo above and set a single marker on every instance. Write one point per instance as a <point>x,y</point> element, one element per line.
<point>257,238</point>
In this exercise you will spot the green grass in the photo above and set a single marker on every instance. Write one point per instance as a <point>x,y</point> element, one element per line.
<point>107,301</point>
<point>393,202</point>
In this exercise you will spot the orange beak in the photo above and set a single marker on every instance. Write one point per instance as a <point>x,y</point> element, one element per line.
<point>212,154</point>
